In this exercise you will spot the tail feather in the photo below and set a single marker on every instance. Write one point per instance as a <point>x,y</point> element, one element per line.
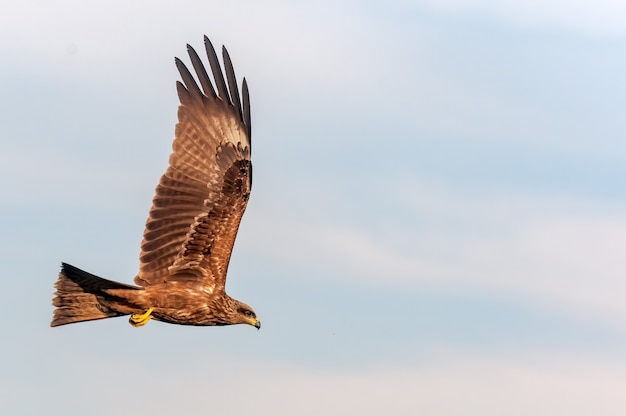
<point>81,296</point>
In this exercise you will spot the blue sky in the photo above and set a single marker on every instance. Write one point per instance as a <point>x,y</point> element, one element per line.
<point>437,223</point>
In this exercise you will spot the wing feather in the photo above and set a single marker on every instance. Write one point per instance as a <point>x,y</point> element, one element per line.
<point>203,77</point>
<point>246,110</point>
<point>232,82</point>
<point>216,69</point>
<point>190,83</point>
<point>201,198</point>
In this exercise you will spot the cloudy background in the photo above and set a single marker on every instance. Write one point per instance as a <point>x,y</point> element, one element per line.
<point>437,225</point>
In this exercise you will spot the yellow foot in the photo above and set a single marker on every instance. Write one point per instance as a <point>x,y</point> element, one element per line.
<point>140,319</point>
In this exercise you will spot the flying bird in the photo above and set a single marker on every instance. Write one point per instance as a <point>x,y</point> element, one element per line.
<point>193,222</point>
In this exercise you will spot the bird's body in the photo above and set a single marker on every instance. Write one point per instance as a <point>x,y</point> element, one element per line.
<point>193,222</point>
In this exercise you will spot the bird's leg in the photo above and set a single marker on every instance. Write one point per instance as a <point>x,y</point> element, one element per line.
<point>140,319</point>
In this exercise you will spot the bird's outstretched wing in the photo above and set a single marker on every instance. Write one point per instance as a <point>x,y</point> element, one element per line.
<point>202,196</point>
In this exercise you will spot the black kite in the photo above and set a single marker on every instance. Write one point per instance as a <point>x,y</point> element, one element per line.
<point>193,221</point>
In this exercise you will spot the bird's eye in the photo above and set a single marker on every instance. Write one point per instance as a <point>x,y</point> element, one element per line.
<point>248,313</point>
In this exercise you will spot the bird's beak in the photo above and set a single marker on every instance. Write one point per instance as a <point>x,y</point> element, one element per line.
<point>257,324</point>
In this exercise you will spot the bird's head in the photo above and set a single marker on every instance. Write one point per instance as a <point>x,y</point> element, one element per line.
<point>245,315</point>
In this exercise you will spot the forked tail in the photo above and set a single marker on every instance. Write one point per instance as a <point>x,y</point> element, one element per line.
<point>82,296</point>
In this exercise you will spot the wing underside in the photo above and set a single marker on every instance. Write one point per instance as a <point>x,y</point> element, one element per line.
<point>200,199</point>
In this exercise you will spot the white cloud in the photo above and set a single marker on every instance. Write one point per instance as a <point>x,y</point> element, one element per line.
<point>451,387</point>
<point>448,384</point>
<point>116,41</point>
<point>558,251</point>
<point>607,17</point>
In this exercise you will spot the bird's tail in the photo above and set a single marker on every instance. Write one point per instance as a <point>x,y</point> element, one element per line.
<point>82,296</point>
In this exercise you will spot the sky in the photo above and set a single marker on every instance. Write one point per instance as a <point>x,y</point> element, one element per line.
<point>437,222</point>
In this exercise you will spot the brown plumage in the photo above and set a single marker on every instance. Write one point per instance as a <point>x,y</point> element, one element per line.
<point>194,218</point>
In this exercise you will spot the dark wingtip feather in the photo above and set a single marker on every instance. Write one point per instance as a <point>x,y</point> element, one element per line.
<point>246,109</point>
<point>188,80</point>
<point>232,82</point>
<point>216,69</point>
<point>203,77</point>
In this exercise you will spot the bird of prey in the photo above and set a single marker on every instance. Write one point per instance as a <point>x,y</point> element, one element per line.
<point>194,218</point>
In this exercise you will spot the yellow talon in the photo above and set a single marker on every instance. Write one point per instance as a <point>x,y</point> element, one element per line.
<point>140,319</point>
